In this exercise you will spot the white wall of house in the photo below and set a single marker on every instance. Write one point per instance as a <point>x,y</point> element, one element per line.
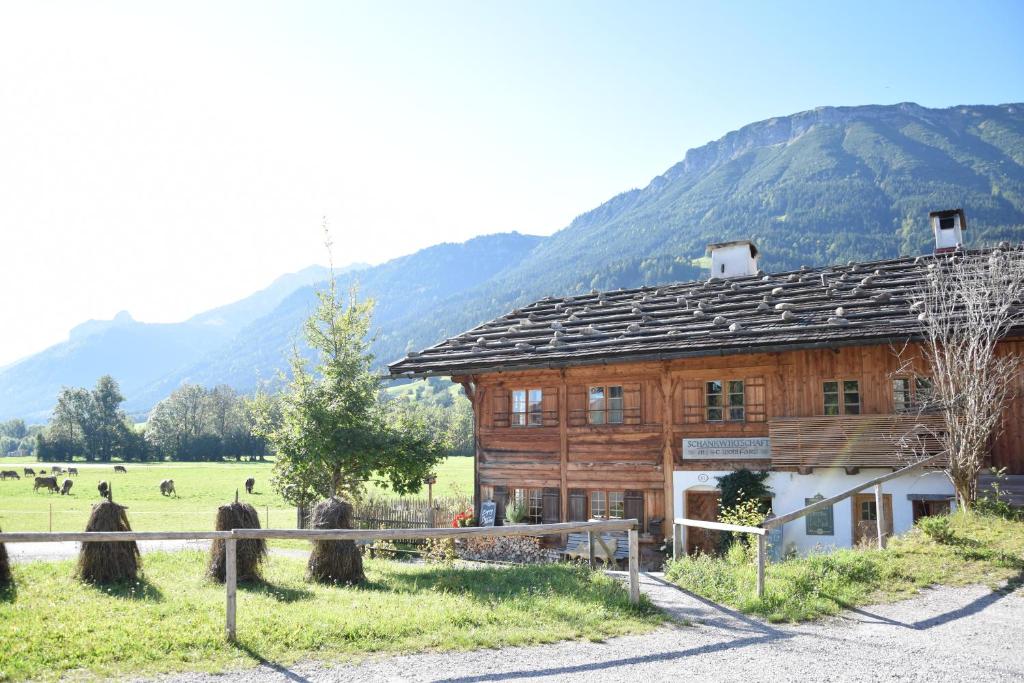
<point>791,489</point>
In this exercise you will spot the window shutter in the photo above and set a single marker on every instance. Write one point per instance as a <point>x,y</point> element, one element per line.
<point>552,511</point>
<point>693,401</point>
<point>634,504</point>
<point>500,498</point>
<point>549,404</point>
<point>755,399</point>
<point>577,406</point>
<point>577,505</point>
<point>500,407</point>
<point>631,403</point>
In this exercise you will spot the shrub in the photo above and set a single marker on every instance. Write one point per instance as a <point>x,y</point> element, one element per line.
<point>747,512</point>
<point>515,512</point>
<point>440,551</point>
<point>937,528</point>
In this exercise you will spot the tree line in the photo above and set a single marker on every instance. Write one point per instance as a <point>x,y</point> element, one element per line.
<point>196,423</point>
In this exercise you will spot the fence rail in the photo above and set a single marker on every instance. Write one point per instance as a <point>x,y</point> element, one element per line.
<point>231,539</point>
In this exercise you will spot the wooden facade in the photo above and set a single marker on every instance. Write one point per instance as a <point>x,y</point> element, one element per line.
<point>571,466</point>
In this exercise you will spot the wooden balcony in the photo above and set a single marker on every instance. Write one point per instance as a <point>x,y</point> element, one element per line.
<point>853,440</point>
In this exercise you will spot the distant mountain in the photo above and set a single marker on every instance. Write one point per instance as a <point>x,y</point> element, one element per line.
<point>822,186</point>
<point>818,187</point>
<point>404,289</point>
<point>135,353</point>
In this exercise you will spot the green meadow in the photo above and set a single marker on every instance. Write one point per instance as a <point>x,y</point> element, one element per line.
<point>201,487</point>
<point>53,626</point>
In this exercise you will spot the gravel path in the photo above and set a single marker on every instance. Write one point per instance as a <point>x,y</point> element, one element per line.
<point>944,634</point>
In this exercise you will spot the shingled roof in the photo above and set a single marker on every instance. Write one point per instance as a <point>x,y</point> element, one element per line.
<point>859,303</point>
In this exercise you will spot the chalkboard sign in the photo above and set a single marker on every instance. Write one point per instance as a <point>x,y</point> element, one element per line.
<point>487,510</point>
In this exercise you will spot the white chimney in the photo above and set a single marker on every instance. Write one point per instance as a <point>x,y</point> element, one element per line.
<point>948,227</point>
<point>733,259</point>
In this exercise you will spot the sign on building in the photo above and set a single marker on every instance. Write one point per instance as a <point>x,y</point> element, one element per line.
<point>727,448</point>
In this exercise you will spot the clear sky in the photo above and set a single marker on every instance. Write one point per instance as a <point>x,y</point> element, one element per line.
<point>165,158</point>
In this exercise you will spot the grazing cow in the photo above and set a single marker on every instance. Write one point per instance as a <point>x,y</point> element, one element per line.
<point>249,484</point>
<point>47,483</point>
<point>73,471</point>
<point>167,488</point>
<point>104,489</point>
<point>120,468</point>
<point>9,474</point>
<point>56,470</point>
<point>65,490</point>
<point>42,471</point>
<point>30,472</point>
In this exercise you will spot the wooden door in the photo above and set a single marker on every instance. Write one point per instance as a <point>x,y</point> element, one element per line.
<point>702,505</point>
<point>865,518</point>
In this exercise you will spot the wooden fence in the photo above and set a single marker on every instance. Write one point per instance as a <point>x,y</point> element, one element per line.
<point>231,539</point>
<point>771,523</point>
<point>400,513</point>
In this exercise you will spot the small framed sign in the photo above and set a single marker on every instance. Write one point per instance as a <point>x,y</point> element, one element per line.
<point>487,510</point>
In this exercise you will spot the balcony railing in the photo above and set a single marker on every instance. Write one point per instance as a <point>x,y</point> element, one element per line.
<point>853,440</point>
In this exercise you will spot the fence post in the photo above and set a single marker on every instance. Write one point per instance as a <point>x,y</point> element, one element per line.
<point>880,515</point>
<point>762,551</point>
<point>677,540</point>
<point>590,545</point>
<point>634,566</point>
<point>231,584</point>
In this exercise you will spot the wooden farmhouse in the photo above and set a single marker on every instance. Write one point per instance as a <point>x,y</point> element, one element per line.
<point>630,403</point>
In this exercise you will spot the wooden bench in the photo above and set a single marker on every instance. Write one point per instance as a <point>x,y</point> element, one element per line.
<point>609,546</point>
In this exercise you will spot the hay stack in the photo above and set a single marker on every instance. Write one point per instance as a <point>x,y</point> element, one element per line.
<point>334,561</point>
<point>108,562</point>
<point>249,553</point>
<point>5,567</point>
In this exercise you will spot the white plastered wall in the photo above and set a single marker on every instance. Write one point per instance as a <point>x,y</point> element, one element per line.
<point>791,489</point>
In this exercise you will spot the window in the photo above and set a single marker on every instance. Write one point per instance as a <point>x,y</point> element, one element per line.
<point>901,399</point>
<point>526,408</point>
<point>535,506</point>
<point>868,511</point>
<point>947,222</point>
<point>924,393</point>
<point>607,505</point>
<point>842,397</point>
<point>819,522</point>
<point>909,395</point>
<point>724,401</point>
<point>532,502</point>
<point>616,505</point>
<point>606,405</point>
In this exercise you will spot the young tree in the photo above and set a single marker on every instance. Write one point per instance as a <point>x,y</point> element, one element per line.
<point>336,431</point>
<point>968,303</point>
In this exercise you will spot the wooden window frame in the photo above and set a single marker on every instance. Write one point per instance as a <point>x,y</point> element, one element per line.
<point>608,415</point>
<point>532,498</point>
<point>532,414</point>
<point>842,406</point>
<point>915,387</point>
<point>607,498</point>
<point>727,395</point>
